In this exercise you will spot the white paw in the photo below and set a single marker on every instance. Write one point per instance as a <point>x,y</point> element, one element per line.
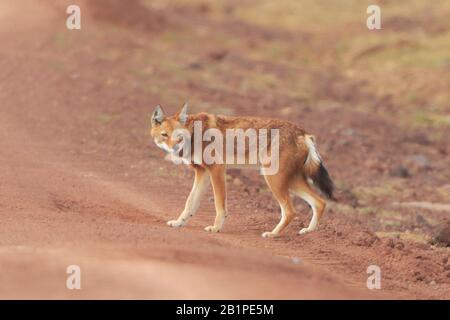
<point>175,223</point>
<point>269,235</point>
<point>212,229</point>
<point>305,230</point>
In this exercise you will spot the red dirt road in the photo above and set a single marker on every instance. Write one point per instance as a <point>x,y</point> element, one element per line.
<point>81,183</point>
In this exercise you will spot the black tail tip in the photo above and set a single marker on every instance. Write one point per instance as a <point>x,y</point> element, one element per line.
<point>323,181</point>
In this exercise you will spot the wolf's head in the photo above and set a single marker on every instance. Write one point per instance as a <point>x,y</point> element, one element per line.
<point>170,133</point>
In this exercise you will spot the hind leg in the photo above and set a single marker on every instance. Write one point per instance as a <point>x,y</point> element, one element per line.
<point>279,185</point>
<point>301,188</point>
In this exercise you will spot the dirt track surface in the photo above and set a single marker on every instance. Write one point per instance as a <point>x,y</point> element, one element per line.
<point>82,183</point>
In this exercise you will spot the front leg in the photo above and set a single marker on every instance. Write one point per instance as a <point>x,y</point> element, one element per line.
<point>217,174</point>
<point>201,181</point>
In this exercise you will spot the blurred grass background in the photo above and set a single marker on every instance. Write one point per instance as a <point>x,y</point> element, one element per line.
<point>407,63</point>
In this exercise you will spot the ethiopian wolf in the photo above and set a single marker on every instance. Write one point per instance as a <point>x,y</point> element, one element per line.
<point>288,159</point>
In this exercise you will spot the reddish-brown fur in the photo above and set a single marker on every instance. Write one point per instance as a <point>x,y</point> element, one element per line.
<point>292,176</point>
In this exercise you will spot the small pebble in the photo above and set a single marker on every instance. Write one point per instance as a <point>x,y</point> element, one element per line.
<point>296,260</point>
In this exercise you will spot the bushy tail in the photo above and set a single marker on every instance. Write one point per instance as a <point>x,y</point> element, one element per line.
<point>315,170</point>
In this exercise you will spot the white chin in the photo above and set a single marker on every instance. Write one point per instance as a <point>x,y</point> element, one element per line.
<point>164,147</point>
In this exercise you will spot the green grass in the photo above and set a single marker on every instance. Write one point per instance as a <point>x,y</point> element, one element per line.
<point>422,118</point>
<point>61,39</point>
<point>106,118</point>
<point>413,237</point>
<point>369,194</point>
<point>58,66</point>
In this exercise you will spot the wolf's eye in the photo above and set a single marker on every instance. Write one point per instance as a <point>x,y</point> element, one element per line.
<point>165,135</point>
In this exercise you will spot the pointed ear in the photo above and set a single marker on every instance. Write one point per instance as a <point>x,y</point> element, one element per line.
<point>158,115</point>
<point>183,116</point>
